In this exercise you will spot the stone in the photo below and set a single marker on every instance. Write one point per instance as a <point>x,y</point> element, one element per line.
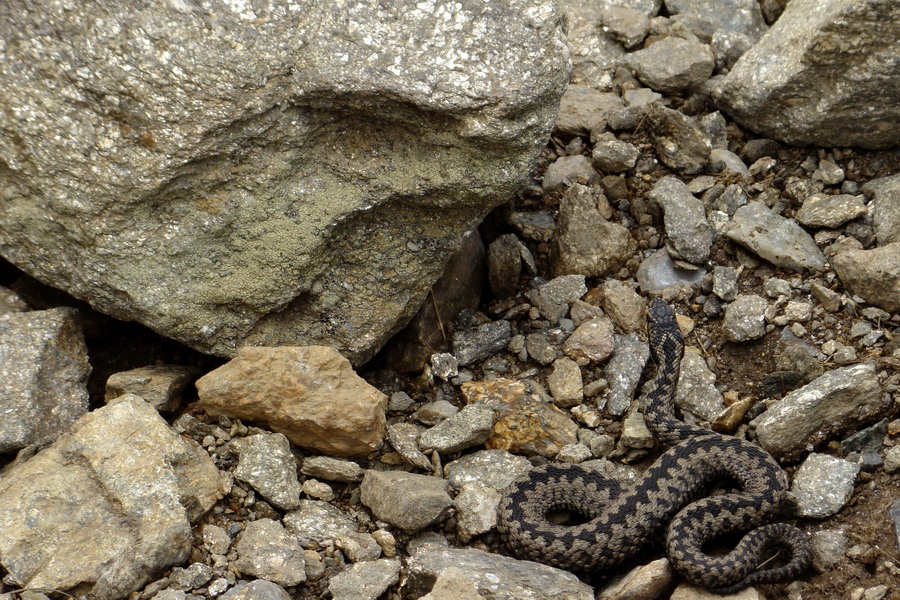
<point>495,576</point>
<point>658,271</point>
<point>567,171</point>
<point>678,139</point>
<point>471,345</point>
<point>265,461</point>
<point>194,576</point>
<point>220,193</point>
<point>160,385</point>
<point>822,210</point>
<point>689,236</point>
<point>536,226</point>
<point>406,500</point>
<point>818,411</point>
<point>745,318</point>
<point>742,16</point>
<point>404,438</point>
<point>310,394</point>
<point>45,369</point>
<point>593,53</point>
<point>696,391</point>
<point>582,109</point>
<point>885,194</point>
<point>625,307</point>
<point>624,372</point>
<point>774,238</point>
<point>874,274</point>
<point>108,506</point>
<point>331,469</point>
<point>11,302</point>
<point>586,243</point>
<point>553,298</point>
<point>591,342</point>
<point>672,64</point>
<point>316,523</point>
<point>267,551</point>
<point>524,422</point>
<point>471,426</point>
<point>365,580</point>
<point>504,265</point>
<point>491,469</point>
<point>628,26</point>
<point>645,581</point>
<point>259,589</point>
<point>453,584</point>
<point>843,53</point>
<point>565,383</point>
<point>822,485</point>
<point>611,155</point>
<point>476,511</point>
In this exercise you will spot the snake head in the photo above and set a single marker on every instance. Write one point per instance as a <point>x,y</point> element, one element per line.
<point>663,329</point>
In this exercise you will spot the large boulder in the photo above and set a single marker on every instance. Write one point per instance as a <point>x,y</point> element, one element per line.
<point>265,174</point>
<point>825,74</point>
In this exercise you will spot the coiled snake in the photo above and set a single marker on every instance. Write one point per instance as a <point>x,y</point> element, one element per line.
<point>620,522</point>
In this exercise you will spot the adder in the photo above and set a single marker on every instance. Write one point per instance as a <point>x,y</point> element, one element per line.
<point>666,502</point>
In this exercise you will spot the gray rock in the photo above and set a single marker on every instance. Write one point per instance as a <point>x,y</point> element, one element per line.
<point>828,547</point>
<point>574,453</point>
<point>745,318</point>
<point>885,193</point>
<point>780,241</point>
<point>822,210</point>
<point>819,410</point>
<point>160,385</point>
<point>892,460</point>
<point>331,469</point>
<point>359,547</point>
<point>582,109</point>
<point>316,522</point>
<point>658,271</point>
<point>133,487</point>
<point>689,235</point>
<point>256,590</point>
<point>404,438</point>
<point>504,262</point>
<point>828,172</point>
<point>822,485</point>
<point>45,369</point>
<point>218,194</point>
<point>365,580</point>
<point>405,500</point>
<point>872,274</point>
<point>215,539</point>
<point>267,463</point>
<point>471,426</point>
<point>741,16</point>
<point>728,47</point>
<point>696,391</point>
<point>801,56</point>
<point>536,226</point>
<point>453,584</point>
<point>11,302</point>
<point>725,283</point>
<point>593,53</point>
<point>471,345</point>
<point>672,64</point>
<point>400,401</point>
<point>494,469</point>
<point>624,372</point>
<point>432,413</point>
<point>567,171</point>
<point>540,349</point>
<point>553,298</point>
<point>495,576</point>
<point>628,26</point>
<point>611,155</point>
<point>194,576</point>
<point>267,551</point>
<point>476,511</point>
<point>585,242</point>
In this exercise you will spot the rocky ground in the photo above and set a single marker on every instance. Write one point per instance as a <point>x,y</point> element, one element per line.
<point>781,262</point>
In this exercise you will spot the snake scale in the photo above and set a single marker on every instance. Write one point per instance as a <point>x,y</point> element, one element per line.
<point>667,501</point>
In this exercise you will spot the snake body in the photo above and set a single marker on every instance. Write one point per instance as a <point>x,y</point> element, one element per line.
<point>620,522</point>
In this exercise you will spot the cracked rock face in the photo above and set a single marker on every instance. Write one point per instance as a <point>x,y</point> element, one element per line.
<point>278,176</point>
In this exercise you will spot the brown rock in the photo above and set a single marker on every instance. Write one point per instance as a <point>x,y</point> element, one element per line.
<point>592,342</point>
<point>525,423</point>
<point>309,393</point>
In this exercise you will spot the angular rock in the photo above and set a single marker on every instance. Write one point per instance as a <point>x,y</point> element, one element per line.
<point>624,372</point>
<point>672,64</point>
<point>405,500</point>
<point>45,370</point>
<point>780,241</point>
<point>471,426</point>
<point>742,16</point>
<point>404,438</point>
<point>331,469</point>
<point>310,394</point>
<point>885,193</point>
<point>289,177</point>
<point>106,507</point>
<point>689,234</point>
<point>745,318</point>
<point>492,469</point>
<point>504,265</point>
<point>680,142</point>
<point>160,385</point>
<point>838,400</point>
<point>476,511</point>
<point>267,551</point>
<point>822,210</point>
<point>567,171</point>
<point>553,297</point>
<point>585,242</point>
<point>470,345</point>
<point>658,271</point>
<point>259,589</point>
<point>593,53</point>
<point>696,391</point>
<point>874,274</point>
<point>315,523</point>
<point>453,584</point>
<point>495,576</point>
<point>842,53</point>
<point>611,155</point>
<point>267,463</point>
<point>591,342</point>
<point>565,383</point>
<point>582,109</point>
<point>822,485</point>
<point>365,580</point>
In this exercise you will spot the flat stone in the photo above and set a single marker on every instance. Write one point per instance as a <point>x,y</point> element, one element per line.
<point>267,551</point>
<point>133,487</point>
<point>823,210</point>
<point>872,274</point>
<point>780,241</point>
<point>591,342</point>
<point>689,236</point>
<point>315,523</point>
<point>672,64</point>
<point>267,463</point>
<point>331,469</point>
<point>492,469</point>
<point>745,318</point>
<point>680,142</point>
<point>565,383</point>
<point>45,369</point>
<point>365,580</point>
<point>822,485</point>
<point>471,426</point>
<point>476,511</point>
<point>624,372</point>
<point>160,385</point>
<point>471,345</point>
<point>310,394</point>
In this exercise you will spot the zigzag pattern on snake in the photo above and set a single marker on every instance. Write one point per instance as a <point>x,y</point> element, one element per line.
<point>620,522</point>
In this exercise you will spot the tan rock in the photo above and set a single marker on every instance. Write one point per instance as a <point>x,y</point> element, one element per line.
<point>525,423</point>
<point>872,274</point>
<point>309,393</point>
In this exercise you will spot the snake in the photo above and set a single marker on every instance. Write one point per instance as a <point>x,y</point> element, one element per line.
<point>670,502</point>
